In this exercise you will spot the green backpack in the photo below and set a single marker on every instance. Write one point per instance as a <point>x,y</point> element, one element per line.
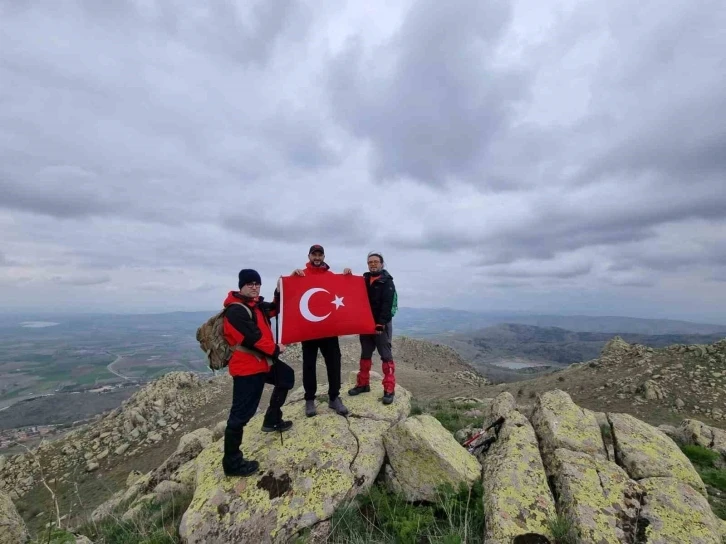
<point>394,306</point>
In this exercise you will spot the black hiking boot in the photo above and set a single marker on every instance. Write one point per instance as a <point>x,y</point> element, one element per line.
<point>388,397</point>
<point>239,467</point>
<point>358,389</point>
<point>281,426</point>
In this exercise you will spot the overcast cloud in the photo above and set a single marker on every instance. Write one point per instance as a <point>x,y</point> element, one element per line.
<point>560,157</point>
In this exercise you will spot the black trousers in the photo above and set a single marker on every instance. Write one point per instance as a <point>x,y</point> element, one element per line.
<point>247,392</point>
<point>330,349</point>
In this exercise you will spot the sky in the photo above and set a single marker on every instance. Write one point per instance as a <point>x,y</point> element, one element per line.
<point>560,157</point>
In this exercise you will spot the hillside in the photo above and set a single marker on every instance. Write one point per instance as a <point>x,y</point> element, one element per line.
<point>146,428</point>
<point>659,386</point>
<point>500,352</point>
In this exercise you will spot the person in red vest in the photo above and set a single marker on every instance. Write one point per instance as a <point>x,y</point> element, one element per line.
<point>381,295</point>
<point>254,363</point>
<point>329,347</point>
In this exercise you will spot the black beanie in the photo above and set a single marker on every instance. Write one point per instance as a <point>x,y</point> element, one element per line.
<point>248,275</point>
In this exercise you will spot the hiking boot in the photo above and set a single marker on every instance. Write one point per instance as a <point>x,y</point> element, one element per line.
<point>310,408</point>
<point>358,389</point>
<point>338,406</point>
<point>239,467</point>
<point>281,426</point>
<point>388,397</point>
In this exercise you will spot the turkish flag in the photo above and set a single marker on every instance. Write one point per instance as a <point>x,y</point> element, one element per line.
<point>322,305</point>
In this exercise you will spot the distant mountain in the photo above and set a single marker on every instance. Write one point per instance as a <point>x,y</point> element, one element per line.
<point>425,321</point>
<point>516,347</point>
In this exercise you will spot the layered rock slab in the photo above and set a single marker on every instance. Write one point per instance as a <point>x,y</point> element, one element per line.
<point>424,456</point>
<point>560,423</point>
<point>323,461</point>
<point>517,498</point>
<point>674,512</point>
<point>596,496</point>
<point>645,452</point>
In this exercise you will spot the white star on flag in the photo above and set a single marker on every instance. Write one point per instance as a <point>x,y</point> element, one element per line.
<point>338,302</point>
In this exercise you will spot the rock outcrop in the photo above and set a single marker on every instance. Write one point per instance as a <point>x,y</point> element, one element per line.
<point>12,526</point>
<point>556,463</point>
<point>517,499</point>
<point>153,413</point>
<point>424,456</point>
<point>305,474</point>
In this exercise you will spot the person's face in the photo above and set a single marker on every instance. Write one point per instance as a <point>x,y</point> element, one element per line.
<point>374,264</point>
<point>251,290</point>
<point>316,258</point>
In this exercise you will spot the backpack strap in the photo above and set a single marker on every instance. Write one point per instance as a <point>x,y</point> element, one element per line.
<point>245,349</point>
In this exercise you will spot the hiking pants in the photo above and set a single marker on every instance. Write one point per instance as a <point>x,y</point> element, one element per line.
<point>382,343</point>
<point>247,392</point>
<point>330,349</point>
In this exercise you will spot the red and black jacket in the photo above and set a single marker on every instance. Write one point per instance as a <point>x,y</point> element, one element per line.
<point>380,294</point>
<point>322,269</point>
<point>253,333</point>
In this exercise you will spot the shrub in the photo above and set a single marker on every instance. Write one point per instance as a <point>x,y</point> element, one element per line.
<point>456,517</point>
<point>701,456</point>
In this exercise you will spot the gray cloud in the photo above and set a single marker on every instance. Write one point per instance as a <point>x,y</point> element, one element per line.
<point>433,98</point>
<point>537,155</point>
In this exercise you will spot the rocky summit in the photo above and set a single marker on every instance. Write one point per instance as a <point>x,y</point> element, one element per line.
<point>552,470</point>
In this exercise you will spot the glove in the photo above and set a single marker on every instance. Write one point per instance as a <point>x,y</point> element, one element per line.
<point>379,328</point>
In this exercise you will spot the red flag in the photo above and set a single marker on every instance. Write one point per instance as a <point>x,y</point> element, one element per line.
<point>322,305</point>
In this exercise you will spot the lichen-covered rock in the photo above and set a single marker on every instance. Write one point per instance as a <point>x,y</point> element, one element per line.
<point>305,474</point>
<point>646,452</point>
<point>371,452</point>
<point>560,423</point>
<point>674,512</point>
<point>596,496</point>
<point>500,406</point>
<point>517,499</point>
<point>12,526</point>
<point>425,456</point>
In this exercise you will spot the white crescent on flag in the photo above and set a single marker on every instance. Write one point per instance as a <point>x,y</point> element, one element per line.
<point>305,308</point>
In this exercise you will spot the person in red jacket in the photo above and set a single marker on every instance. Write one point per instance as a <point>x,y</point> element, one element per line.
<point>254,363</point>
<point>329,347</point>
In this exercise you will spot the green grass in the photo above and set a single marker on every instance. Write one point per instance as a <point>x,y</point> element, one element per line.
<point>381,517</point>
<point>156,523</point>
<point>701,456</point>
<point>562,531</point>
<point>704,460</point>
<point>451,415</point>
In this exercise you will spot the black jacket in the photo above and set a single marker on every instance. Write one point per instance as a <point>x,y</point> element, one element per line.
<point>380,295</point>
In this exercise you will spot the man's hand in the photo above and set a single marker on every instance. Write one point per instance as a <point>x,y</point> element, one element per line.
<point>379,329</point>
<point>347,271</point>
<point>282,348</point>
<point>279,282</point>
<point>298,272</point>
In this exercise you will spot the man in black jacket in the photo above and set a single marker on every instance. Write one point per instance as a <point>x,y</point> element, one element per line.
<point>381,295</point>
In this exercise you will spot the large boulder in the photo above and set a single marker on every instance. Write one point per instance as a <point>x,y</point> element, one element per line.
<point>560,423</point>
<point>646,452</point>
<point>596,496</point>
<point>517,499</point>
<point>674,512</point>
<point>425,456</point>
<point>190,445</point>
<point>305,473</point>
<point>12,526</point>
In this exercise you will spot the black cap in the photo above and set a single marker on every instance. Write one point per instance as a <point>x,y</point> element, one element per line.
<point>248,275</point>
<point>316,247</point>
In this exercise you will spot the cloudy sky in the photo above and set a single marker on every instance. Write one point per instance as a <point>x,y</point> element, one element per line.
<point>561,157</point>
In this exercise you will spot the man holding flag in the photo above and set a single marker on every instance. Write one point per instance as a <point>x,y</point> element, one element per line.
<point>329,346</point>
